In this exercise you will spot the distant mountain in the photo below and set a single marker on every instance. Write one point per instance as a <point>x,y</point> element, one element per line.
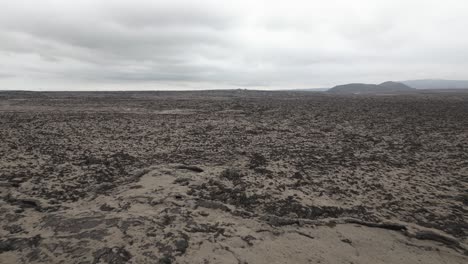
<point>363,88</point>
<point>437,84</point>
<point>308,89</point>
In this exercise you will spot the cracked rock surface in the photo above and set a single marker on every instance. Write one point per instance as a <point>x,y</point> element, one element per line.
<point>233,177</point>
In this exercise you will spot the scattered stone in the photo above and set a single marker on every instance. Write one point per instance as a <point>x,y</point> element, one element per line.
<point>182,181</point>
<point>203,213</point>
<point>248,239</point>
<point>106,208</point>
<point>181,245</point>
<point>19,210</point>
<point>346,240</point>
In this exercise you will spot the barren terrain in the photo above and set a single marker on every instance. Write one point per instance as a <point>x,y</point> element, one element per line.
<point>233,177</point>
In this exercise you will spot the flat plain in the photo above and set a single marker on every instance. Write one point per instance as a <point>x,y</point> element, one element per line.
<point>233,177</point>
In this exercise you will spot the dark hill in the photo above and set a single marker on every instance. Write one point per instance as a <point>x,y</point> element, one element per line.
<point>359,88</point>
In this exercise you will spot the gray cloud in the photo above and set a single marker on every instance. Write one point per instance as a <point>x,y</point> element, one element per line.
<point>6,75</point>
<point>199,44</point>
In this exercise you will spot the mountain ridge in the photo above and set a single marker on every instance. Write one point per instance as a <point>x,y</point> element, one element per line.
<point>436,84</point>
<point>359,88</point>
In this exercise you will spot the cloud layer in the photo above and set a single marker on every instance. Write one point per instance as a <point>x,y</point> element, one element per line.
<point>221,44</point>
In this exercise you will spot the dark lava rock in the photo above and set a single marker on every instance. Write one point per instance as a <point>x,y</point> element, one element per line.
<point>287,206</point>
<point>346,241</point>
<point>181,245</point>
<point>182,181</point>
<point>165,260</point>
<point>11,244</point>
<point>248,239</point>
<point>463,198</point>
<point>218,192</point>
<point>213,205</point>
<point>190,168</point>
<point>279,221</point>
<point>204,228</point>
<point>257,160</point>
<point>106,208</point>
<point>13,229</point>
<point>298,176</point>
<point>98,235</point>
<point>115,255</point>
<point>232,174</point>
<point>71,225</point>
<point>19,210</point>
<point>24,203</point>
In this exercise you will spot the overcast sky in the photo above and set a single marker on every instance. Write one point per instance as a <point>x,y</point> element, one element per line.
<point>136,44</point>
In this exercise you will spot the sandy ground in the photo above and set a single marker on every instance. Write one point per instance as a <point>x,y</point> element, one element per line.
<point>233,177</point>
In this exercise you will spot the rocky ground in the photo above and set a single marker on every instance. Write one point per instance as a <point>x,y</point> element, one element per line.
<point>233,177</point>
